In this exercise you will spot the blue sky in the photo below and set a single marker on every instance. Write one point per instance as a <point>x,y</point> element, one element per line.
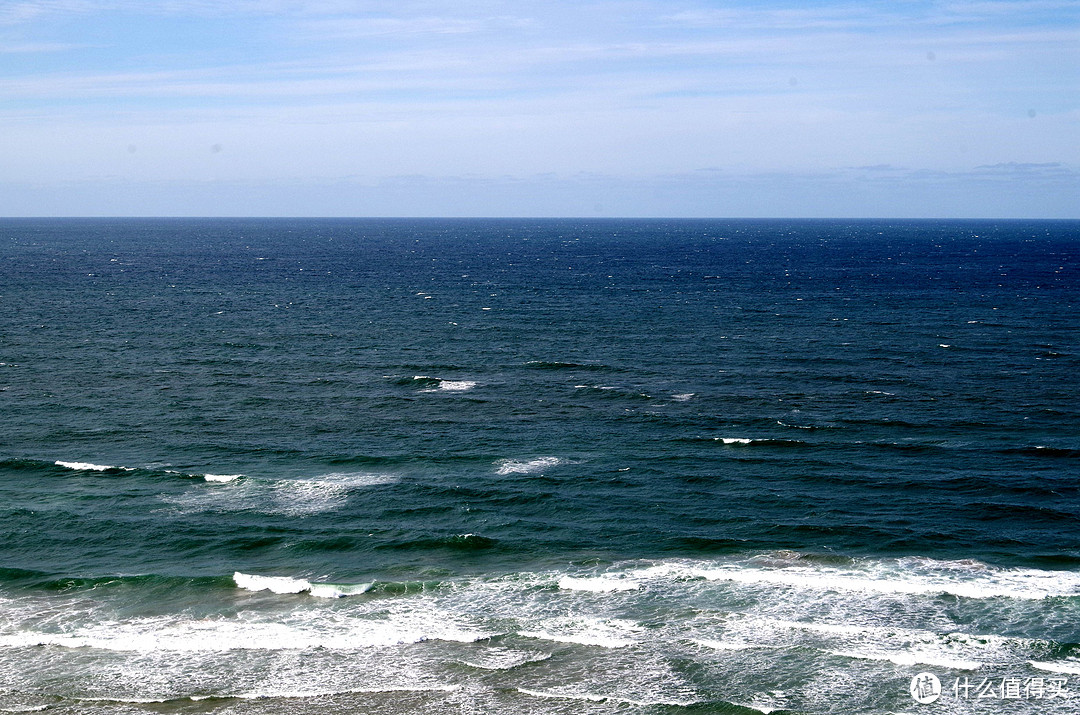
<point>909,108</point>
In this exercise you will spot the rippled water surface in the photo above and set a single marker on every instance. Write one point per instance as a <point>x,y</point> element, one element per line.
<point>336,466</point>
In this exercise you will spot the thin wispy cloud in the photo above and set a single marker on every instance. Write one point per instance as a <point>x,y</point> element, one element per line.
<point>403,27</point>
<point>325,91</point>
<point>35,47</point>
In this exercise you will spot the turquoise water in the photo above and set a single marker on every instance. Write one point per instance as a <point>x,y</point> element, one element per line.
<point>261,466</point>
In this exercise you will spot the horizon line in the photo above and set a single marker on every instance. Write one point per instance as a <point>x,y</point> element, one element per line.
<point>238,217</point>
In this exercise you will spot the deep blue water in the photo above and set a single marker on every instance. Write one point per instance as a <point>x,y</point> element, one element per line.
<point>546,465</point>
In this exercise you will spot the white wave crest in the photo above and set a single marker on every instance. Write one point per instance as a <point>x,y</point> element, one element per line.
<point>222,478</point>
<point>444,384</point>
<point>530,466</point>
<point>909,658</point>
<point>456,385</point>
<point>284,584</point>
<point>1071,667</point>
<point>905,576</point>
<point>277,584</point>
<point>88,467</point>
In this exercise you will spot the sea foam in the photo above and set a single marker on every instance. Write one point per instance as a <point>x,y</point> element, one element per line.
<point>291,694</point>
<point>437,384</point>
<point>294,497</point>
<point>590,631</point>
<point>909,658</point>
<point>497,658</point>
<point>598,584</point>
<point>1071,667</point>
<point>597,698</point>
<point>528,466</point>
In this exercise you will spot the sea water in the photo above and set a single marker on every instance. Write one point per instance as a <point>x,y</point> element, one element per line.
<point>544,466</point>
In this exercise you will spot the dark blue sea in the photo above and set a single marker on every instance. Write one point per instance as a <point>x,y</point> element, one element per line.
<point>307,466</point>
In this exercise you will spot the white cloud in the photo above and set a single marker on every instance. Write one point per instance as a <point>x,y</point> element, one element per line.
<point>319,91</point>
<point>39,47</point>
<point>361,27</point>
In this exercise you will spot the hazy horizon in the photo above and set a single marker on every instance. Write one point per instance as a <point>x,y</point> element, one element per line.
<point>682,109</point>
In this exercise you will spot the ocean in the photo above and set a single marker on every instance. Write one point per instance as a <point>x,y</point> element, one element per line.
<point>262,466</point>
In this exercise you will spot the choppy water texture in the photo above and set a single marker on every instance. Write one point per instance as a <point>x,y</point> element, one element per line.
<point>337,466</point>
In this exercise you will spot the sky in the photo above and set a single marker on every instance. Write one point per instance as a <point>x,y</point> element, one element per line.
<point>667,108</point>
